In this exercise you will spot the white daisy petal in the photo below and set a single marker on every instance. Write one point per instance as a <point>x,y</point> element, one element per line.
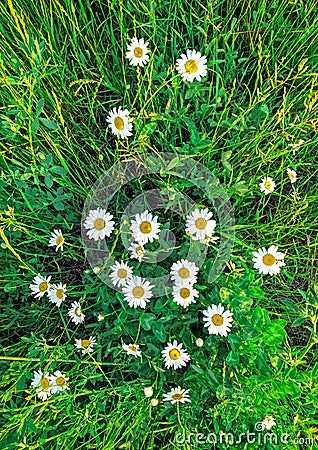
<point>99,224</point>
<point>85,345</point>
<point>175,356</point>
<point>177,395</point>
<point>267,185</point>
<point>184,294</point>
<point>132,349</point>
<point>42,384</point>
<point>75,313</point>
<point>192,66</point>
<point>145,227</point>
<point>56,239</point>
<point>40,285</point>
<point>137,292</point>
<point>199,225</point>
<point>217,320</point>
<point>120,274</point>
<point>183,272</point>
<point>137,251</point>
<point>56,293</point>
<point>292,175</point>
<point>137,52</point>
<point>268,261</point>
<point>58,382</point>
<point>120,123</point>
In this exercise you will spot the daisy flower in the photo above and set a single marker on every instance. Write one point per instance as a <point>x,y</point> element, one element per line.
<point>58,382</point>
<point>217,320</point>
<point>57,240</point>
<point>137,52</point>
<point>184,294</point>
<point>177,395</point>
<point>42,385</point>
<point>85,345</point>
<point>137,251</point>
<point>292,175</point>
<point>268,422</point>
<point>76,313</point>
<point>268,261</point>
<point>191,66</point>
<point>121,272</point>
<point>120,123</point>
<point>145,227</point>
<point>132,349</point>
<point>56,293</point>
<point>40,285</point>
<point>267,185</point>
<point>137,292</point>
<point>184,271</point>
<point>199,224</point>
<point>99,224</point>
<point>175,356</point>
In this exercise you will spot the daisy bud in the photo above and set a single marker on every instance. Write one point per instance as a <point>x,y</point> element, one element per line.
<point>199,342</point>
<point>148,391</point>
<point>154,402</point>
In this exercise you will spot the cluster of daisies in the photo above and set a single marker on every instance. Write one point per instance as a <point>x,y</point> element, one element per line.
<point>268,185</point>
<point>46,384</point>
<point>56,292</point>
<point>146,228</point>
<point>191,66</point>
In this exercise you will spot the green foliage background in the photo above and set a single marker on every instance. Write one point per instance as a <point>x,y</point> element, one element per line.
<point>62,68</point>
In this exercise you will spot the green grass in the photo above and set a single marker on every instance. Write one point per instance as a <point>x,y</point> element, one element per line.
<point>62,68</point>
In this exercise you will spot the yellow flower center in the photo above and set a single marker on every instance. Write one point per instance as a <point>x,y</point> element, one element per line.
<point>139,250</point>
<point>200,223</point>
<point>174,354</point>
<point>59,240</point>
<point>43,286</point>
<point>122,273</point>
<point>132,348</point>
<point>177,397</point>
<point>291,175</point>
<point>217,320</point>
<point>59,293</point>
<point>145,227</point>
<point>86,343</point>
<point>99,224</point>
<point>268,260</point>
<point>45,383</point>
<point>119,123</point>
<point>184,272</point>
<point>184,293</point>
<point>78,311</point>
<point>268,184</point>
<point>138,292</point>
<point>191,66</point>
<point>60,381</point>
<point>138,52</point>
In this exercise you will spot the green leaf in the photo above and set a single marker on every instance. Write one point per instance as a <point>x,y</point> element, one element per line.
<point>39,107</point>
<point>147,320</point>
<point>48,180</point>
<point>274,333</point>
<point>35,125</point>
<point>50,124</point>
<point>159,331</point>
<point>232,358</point>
